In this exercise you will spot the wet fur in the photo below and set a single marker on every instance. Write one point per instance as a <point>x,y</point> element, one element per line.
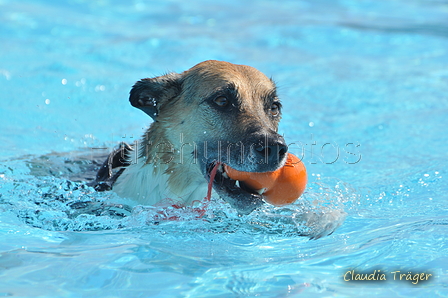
<point>189,130</point>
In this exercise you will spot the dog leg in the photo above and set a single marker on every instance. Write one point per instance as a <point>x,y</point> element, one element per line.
<point>105,177</point>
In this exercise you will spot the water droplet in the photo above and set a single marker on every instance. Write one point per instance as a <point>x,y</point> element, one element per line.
<point>100,88</point>
<point>6,73</point>
<point>211,22</point>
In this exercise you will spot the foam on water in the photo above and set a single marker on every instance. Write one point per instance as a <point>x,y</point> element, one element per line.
<point>57,204</point>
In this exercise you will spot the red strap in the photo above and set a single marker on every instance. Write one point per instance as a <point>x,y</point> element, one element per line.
<point>209,191</point>
<point>210,183</point>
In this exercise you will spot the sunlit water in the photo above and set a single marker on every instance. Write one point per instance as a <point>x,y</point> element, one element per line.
<point>364,87</point>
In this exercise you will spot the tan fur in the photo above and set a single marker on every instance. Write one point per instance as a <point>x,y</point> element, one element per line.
<point>186,122</point>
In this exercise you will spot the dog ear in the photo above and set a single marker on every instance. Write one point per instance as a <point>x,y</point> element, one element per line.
<point>150,94</point>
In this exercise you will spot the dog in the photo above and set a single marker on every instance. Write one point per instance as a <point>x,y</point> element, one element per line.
<point>214,113</point>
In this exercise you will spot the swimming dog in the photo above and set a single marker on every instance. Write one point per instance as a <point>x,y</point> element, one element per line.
<point>214,112</point>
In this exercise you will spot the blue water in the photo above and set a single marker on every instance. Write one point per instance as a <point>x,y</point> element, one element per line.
<point>365,90</point>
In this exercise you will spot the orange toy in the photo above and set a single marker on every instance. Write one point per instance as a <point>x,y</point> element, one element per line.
<point>280,187</point>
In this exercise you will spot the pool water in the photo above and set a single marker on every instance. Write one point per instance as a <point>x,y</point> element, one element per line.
<point>364,86</point>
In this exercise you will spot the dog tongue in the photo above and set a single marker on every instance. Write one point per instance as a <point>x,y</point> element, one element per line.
<point>281,187</point>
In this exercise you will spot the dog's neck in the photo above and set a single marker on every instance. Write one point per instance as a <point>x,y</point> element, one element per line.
<point>162,170</point>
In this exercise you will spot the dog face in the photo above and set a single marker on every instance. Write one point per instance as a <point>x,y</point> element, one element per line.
<point>216,111</point>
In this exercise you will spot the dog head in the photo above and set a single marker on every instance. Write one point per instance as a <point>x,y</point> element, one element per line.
<point>224,112</point>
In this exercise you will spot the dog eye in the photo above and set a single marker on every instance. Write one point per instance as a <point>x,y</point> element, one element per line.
<point>275,109</point>
<point>221,101</point>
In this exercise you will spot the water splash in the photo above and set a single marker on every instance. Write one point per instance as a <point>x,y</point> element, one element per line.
<point>35,190</point>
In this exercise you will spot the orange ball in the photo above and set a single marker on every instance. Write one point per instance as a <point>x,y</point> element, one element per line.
<point>280,187</point>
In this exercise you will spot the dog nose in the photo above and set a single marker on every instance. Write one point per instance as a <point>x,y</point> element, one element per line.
<point>273,152</point>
